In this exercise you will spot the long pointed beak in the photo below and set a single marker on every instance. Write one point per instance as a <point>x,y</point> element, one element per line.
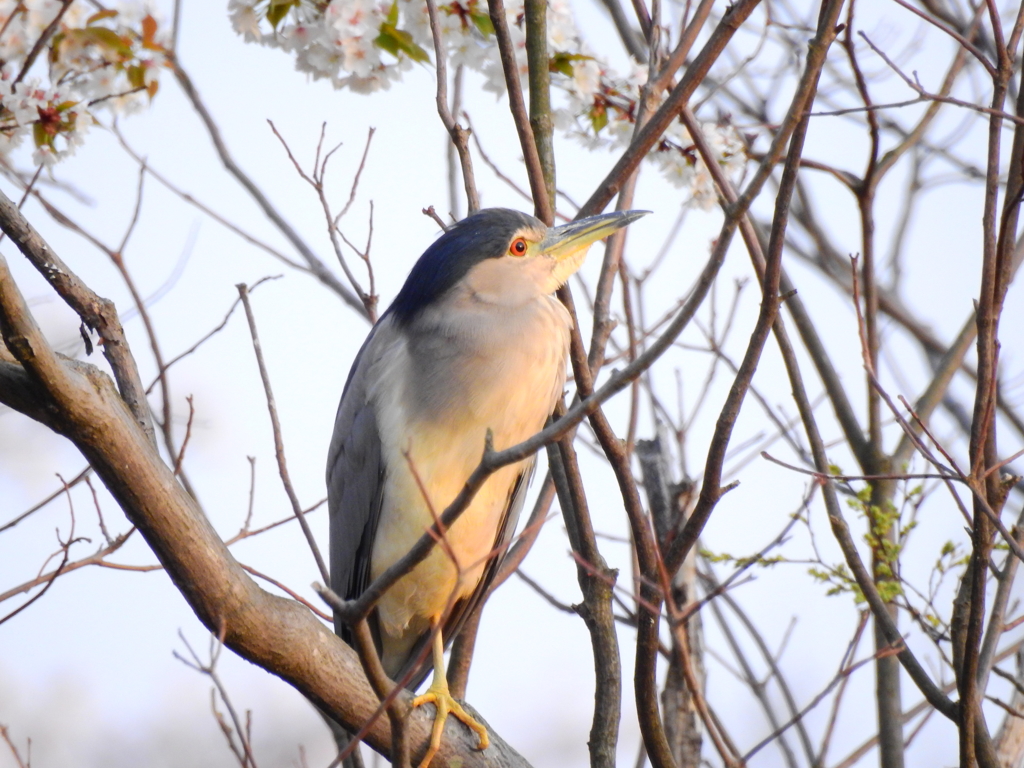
<point>563,241</point>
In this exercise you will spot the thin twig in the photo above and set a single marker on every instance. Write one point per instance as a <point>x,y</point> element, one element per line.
<point>282,465</point>
<point>459,136</point>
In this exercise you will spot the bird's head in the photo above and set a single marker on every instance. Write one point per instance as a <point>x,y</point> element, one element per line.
<point>504,257</point>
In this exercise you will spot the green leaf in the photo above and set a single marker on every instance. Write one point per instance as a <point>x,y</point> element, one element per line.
<point>386,42</point>
<point>907,528</point>
<point>560,65</point>
<point>278,9</point>
<point>483,23</point>
<point>136,76</point>
<point>562,62</point>
<point>818,574</point>
<point>109,39</point>
<point>598,117</point>
<point>55,44</point>
<point>724,557</point>
<point>101,37</point>
<point>398,41</point>
<point>889,590</point>
<point>99,16</point>
<point>40,135</point>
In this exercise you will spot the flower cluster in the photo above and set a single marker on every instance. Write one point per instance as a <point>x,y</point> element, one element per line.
<point>108,59</point>
<point>365,45</point>
<point>339,41</point>
<point>606,117</point>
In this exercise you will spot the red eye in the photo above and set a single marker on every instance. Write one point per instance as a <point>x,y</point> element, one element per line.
<point>518,247</point>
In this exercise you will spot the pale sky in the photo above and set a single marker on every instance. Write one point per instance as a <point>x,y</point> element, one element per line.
<point>87,672</point>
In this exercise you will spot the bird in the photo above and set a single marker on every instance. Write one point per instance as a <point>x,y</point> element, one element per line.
<point>473,348</point>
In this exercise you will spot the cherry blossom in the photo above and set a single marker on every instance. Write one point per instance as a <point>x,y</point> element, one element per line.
<point>366,45</point>
<point>95,60</point>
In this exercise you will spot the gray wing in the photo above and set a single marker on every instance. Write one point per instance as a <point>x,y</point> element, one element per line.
<point>355,477</point>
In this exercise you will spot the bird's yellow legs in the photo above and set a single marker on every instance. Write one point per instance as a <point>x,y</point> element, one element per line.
<point>439,695</point>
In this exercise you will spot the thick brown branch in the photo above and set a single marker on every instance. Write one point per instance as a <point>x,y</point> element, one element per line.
<point>96,312</point>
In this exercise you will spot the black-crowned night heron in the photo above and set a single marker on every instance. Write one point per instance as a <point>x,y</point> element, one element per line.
<point>473,342</point>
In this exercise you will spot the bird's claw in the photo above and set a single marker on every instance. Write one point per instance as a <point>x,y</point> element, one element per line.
<point>445,704</point>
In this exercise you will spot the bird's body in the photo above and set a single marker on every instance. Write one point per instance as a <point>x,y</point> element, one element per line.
<point>474,342</point>
<point>441,383</point>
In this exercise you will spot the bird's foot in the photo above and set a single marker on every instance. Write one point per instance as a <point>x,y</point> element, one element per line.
<point>442,699</point>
